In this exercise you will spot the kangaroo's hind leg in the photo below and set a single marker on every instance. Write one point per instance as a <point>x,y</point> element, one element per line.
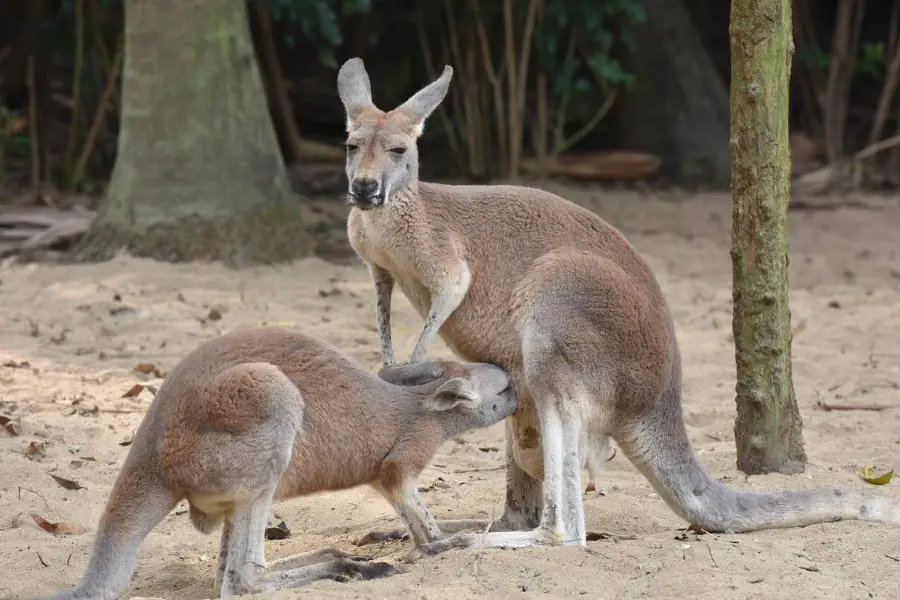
<point>222,561</point>
<point>561,405</point>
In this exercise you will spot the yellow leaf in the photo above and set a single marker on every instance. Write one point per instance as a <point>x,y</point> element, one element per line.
<point>868,475</point>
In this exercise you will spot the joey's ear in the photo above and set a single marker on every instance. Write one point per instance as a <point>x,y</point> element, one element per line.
<point>423,103</point>
<point>453,392</point>
<point>354,89</point>
<point>411,373</point>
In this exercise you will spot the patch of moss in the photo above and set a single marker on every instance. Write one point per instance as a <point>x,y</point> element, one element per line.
<point>265,234</point>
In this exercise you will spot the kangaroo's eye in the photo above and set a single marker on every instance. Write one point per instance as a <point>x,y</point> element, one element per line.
<point>352,147</point>
<point>399,150</point>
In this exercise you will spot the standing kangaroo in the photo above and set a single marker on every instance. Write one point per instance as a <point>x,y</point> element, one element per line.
<point>522,278</point>
<point>268,414</point>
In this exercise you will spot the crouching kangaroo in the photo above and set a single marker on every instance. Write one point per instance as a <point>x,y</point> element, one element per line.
<point>525,279</point>
<point>265,414</point>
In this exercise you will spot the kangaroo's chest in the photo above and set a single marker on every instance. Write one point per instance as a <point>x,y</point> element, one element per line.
<point>387,249</point>
<point>480,328</point>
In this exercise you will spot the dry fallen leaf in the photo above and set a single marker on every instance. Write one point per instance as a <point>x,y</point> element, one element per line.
<point>69,484</point>
<point>57,528</point>
<point>7,424</point>
<point>16,365</point>
<point>149,369</point>
<point>133,391</point>
<point>34,450</point>
<point>868,475</point>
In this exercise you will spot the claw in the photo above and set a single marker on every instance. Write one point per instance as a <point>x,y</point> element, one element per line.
<point>365,570</point>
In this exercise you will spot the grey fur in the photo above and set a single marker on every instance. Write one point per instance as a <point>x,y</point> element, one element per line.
<point>354,88</point>
<point>420,106</point>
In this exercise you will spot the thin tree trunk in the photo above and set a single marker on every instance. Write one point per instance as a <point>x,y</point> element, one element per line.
<point>198,174</point>
<point>301,149</point>
<point>768,428</point>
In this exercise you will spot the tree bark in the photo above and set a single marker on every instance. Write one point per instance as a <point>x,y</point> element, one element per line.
<point>198,174</point>
<point>768,428</point>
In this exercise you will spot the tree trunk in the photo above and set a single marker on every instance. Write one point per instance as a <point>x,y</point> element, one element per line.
<point>679,107</point>
<point>198,174</point>
<point>768,428</point>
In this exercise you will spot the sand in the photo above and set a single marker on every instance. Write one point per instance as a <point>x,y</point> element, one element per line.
<point>71,336</point>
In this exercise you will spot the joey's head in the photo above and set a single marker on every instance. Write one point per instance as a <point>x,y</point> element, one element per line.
<point>382,158</point>
<point>462,396</point>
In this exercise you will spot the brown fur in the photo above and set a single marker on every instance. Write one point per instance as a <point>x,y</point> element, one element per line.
<point>268,414</point>
<point>525,279</point>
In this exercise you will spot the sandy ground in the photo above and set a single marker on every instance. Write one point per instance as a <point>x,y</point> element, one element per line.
<point>71,336</point>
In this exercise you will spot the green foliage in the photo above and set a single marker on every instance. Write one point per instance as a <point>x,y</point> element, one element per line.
<point>577,45</point>
<point>318,21</point>
<point>814,57</point>
<point>870,61</point>
<point>14,141</point>
<point>595,28</point>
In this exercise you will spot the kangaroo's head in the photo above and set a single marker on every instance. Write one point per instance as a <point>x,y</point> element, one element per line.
<point>382,158</point>
<point>460,395</point>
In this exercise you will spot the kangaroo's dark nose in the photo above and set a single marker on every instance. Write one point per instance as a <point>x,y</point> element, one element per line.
<point>364,189</point>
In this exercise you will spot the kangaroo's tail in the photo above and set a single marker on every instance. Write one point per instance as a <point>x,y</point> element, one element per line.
<point>137,504</point>
<point>658,446</point>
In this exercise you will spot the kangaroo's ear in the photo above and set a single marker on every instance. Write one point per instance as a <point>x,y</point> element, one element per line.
<point>420,106</point>
<point>454,392</point>
<point>418,373</point>
<point>354,89</point>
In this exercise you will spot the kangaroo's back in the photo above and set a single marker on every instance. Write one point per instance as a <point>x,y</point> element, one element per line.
<point>505,231</point>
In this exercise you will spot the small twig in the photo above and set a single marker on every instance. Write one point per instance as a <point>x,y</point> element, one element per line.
<point>847,407</point>
<point>34,140</point>
<point>487,528</point>
<point>540,126</point>
<point>596,553</point>
<point>593,536</point>
<point>41,558</point>
<point>894,558</point>
<point>559,131</point>
<point>105,58</point>
<point>430,69</point>
<point>68,558</point>
<point>494,76</point>
<point>281,99</point>
<point>33,492</point>
<point>877,147</point>
<point>715,564</point>
<point>479,470</point>
<point>105,98</point>
<point>892,76</point>
<point>611,95</point>
<point>76,86</point>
